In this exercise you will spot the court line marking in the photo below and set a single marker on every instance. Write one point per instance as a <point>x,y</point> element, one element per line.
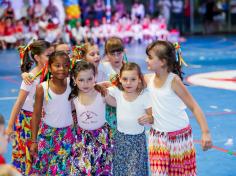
<point>210,114</point>
<point>220,79</point>
<point>7,98</point>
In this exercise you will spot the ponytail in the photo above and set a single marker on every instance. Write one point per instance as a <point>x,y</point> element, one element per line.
<point>26,61</point>
<point>179,61</point>
<point>28,52</point>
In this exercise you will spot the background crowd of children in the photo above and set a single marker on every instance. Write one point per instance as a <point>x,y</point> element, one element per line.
<point>22,20</point>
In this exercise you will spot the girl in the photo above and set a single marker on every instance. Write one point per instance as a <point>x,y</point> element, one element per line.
<point>171,147</point>
<point>115,54</point>
<point>133,112</point>
<point>90,52</point>
<point>54,47</point>
<point>92,154</point>
<point>53,138</point>
<point>21,114</point>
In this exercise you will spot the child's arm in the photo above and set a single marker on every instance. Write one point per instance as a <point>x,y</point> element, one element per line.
<point>105,84</point>
<point>183,93</point>
<point>16,109</point>
<point>110,100</point>
<point>6,169</point>
<point>36,118</point>
<point>74,115</point>
<point>104,92</point>
<point>27,78</point>
<point>147,118</point>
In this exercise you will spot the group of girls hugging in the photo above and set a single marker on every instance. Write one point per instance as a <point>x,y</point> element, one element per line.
<point>77,115</point>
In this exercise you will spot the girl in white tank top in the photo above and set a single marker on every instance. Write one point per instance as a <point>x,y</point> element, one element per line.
<point>52,135</point>
<point>92,151</point>
<point>21,115</point>
<point>171,147</point>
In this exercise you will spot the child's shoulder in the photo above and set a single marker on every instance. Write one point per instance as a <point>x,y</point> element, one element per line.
<point>144,93</point>
<point>148,76</point>
<point>175,77</point>
<point>114,91</point>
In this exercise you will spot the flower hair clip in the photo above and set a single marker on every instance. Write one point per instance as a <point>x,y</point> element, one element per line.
<point>78,51</point>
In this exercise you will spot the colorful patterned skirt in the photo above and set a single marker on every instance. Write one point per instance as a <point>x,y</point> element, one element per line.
<point>111,118</point>
<point>21,144</point>
<point>130,155</point>
<point>92,152</point>
<point>54,150</point>
<point>172,153</point>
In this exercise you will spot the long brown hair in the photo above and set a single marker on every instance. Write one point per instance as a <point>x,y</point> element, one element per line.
<point>165,50</point>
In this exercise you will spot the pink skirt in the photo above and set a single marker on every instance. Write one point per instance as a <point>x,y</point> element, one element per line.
<point>172,153</point>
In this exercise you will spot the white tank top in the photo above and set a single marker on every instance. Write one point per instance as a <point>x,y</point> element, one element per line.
<point>168,109</point>
<point>58,108</point>
<point>90,117</point>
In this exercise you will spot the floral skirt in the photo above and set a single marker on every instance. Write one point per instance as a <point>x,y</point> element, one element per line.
<point>92,152</point>
<point>172,153</point>
<point>21,144</point>
<point>130,155</point>
<point>54,150</point>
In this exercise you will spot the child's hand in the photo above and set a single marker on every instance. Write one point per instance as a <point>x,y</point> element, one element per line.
<point>105,84</point>
<point>9,131</point>
<point>206,141</point>
<point>27,78</point>
<point>102,90</point>
<point>6,169</point>
<point>34,149</point>
<point>145,119</point>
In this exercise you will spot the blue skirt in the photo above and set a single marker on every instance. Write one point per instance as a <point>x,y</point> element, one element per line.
<point>130,155</point>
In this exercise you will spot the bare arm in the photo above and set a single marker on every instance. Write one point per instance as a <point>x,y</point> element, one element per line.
<point>110,100</point>
<point>147,118</point>
<point>27,78</point>
<point>186,97</point>
<point>36,118</point>
<point>16,110</point>
<point>105,84</point>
